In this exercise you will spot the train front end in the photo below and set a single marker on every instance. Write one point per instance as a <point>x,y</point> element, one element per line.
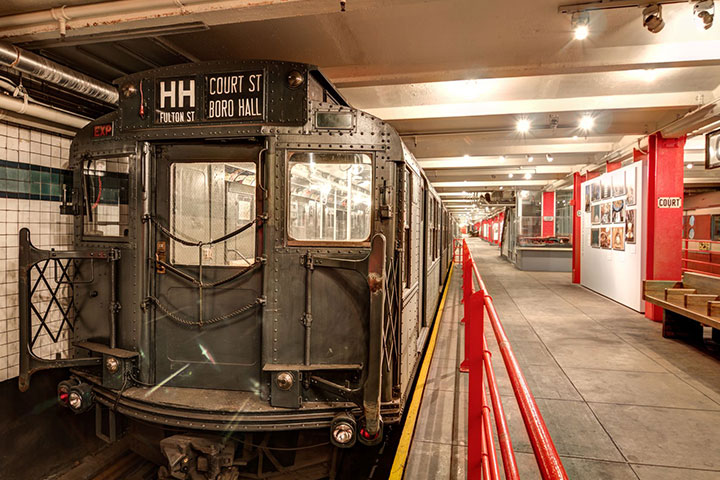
<point>232,277</point>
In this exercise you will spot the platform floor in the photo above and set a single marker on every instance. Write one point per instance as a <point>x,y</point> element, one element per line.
<point>620,401</point>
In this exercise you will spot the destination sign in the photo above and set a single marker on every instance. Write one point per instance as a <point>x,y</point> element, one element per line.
<point>234,96</point>
<point>176,100</point>
<point>215,97</point>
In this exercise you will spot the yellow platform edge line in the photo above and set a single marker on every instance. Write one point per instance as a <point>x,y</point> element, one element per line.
<point>401,455</point>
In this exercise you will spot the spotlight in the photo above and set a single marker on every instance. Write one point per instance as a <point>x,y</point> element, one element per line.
<point>580,22</point>
<point>704,11</point>
<point>528,176</point>
<point>689,165</point>
<point>530,158</point>
<point>510,175</point>
<point>586,123</point>
<point>652,18</point>
<point>549,158</point>
<point>523,125</point>
<point>502,158</point>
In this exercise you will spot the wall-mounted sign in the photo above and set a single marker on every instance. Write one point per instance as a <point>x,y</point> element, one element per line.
<point>548,218</point>
<point>712,149</point>
<point>669,202</point>
<point>176,100</point>
<point>104,130</point>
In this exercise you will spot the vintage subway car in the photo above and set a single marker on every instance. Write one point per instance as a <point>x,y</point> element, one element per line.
<point>255,264</point>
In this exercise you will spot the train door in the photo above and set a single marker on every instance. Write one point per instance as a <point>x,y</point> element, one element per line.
<point>208,272</point>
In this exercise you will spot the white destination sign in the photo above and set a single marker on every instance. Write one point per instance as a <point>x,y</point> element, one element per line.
<point>669,202</point>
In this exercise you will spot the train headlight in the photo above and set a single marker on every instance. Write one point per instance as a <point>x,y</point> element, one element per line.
<point>285,381</point>
<point>63,391</point>
<point>343,430</point>
<point>295,79</point>
<point>112,364</point>
<point>80,398</point>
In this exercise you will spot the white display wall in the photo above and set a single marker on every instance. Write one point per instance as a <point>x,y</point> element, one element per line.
<point>612,251</point>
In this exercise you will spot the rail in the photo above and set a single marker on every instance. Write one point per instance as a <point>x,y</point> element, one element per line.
<point>704,247</point>
<point>482,456</point>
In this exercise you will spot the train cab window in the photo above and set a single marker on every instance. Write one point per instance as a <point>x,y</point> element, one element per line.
<point>330,197</point>
<point>211,200</point>
<point>407,232</point>
<point>105,185</point>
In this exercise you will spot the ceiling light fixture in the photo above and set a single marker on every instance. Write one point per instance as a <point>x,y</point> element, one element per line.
<point>652,18</point>
<point>549,158</point>
<point>580,25</point>
<point>704,11</point>
<point>689,165</point>
<point>523,125</point>
<point>530,158</point>
<point>586,123</point>
<point>502,158</point>
<point>528,176</point>
<point>466,156</point>
<point>510,175</point>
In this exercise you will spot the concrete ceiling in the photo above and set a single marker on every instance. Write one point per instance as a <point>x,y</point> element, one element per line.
<point>452,76</point>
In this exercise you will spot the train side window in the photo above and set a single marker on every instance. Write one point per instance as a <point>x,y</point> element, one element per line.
<point>407,244</point>
<point>105,188</point>
<point>209,201</point>
<point>330,197</point>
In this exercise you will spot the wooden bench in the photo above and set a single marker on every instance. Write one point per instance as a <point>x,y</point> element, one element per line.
<point>688,304</point>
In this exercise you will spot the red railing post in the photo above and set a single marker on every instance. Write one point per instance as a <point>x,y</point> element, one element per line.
<point>473,364</point>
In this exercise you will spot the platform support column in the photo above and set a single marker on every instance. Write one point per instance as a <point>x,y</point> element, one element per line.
<point>576,226</point>
<point>664,218</point>
<point>548,210</point>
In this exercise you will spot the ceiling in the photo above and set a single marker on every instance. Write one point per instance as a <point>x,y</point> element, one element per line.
<point>452,76</point>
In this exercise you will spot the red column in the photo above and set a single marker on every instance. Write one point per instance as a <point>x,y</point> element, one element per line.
<point>548,210</point>
<point>664,225</point>
<point>577,226</point>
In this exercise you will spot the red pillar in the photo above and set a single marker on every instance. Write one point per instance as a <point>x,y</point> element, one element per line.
<point>577,226</point>
<point>664,225</point>
<point>548,210</point>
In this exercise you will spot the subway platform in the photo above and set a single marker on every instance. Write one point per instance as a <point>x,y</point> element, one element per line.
<point>620,401</point>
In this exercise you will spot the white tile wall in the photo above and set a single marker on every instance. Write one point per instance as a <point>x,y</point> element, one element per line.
<point>47,229</point>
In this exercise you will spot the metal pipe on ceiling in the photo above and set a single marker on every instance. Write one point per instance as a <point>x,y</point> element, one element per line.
<point>22,107</point>
<point>42,68</point>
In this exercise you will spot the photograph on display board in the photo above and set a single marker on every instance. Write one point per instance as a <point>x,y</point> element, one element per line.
<point>605,216</point>
<point>606,187</point>
<point>595,215</point>
<point>618,238</point>
<point>618,211</point>
<point>587,198</point>
<point>630,226</point>
<point>605,240</point>
<point>595,187</point>
<point>630,186</point>
<point>595,238</point>
<point>618,181</point>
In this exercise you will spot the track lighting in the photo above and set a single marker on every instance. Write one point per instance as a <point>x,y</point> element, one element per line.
<point>652,18</point>
<point>704,12</point>
<point>586,123</point>
<point>580,25</point>
<point>523,125</point>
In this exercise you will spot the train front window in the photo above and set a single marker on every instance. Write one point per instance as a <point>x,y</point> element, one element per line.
<point>105,185</point>
<point>330,197</point>
<point>209,201</point>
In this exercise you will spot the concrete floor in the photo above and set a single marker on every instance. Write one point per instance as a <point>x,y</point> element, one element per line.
<point>620,401</point>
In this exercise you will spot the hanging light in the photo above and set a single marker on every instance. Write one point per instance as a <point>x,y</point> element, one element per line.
<point>580,25</point>
<point>523,125</point>
<point>704,12</point>
<point>652,18</point>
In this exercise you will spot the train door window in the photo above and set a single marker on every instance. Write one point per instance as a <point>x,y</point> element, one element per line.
<point>105,188</point>
<point>330,197</point>
<point>209,201</point>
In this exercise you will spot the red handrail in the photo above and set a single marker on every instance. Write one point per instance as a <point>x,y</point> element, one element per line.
<point>476,303</point>
<point>686,261</point>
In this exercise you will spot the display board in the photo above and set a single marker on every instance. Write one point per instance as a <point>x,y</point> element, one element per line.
<point>613,235</point>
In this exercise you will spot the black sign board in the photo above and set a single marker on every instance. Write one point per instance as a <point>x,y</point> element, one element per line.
<point>210,98</point>
<point>234,96</point>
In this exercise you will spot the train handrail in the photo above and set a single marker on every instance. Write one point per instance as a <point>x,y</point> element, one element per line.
<point>482,457</point>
